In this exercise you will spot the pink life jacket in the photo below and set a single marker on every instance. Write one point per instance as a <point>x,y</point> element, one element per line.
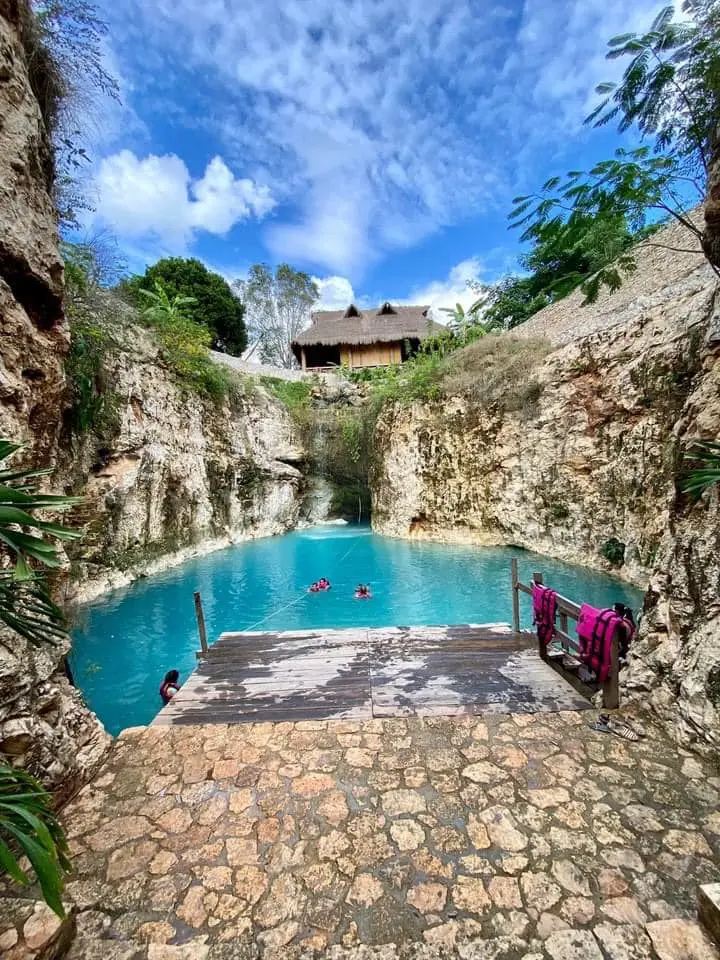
<point>595,629</point>
<point>544,609</point>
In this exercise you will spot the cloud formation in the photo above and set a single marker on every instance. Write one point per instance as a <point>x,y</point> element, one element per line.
<point>376,123</point>
<point>156,196</point>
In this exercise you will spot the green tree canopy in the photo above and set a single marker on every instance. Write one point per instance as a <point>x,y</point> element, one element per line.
<point>581,251</point>
<point>214,304</point>
<point>669,94</point>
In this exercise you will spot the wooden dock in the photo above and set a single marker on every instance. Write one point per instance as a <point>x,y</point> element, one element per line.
<point>362,673</point>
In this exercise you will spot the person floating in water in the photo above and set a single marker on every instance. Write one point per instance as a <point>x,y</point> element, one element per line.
<point>362,592</point>
<point>322,584</point>
<point>170,686</point>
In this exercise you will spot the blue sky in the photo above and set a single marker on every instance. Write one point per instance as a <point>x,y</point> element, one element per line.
<point>373,143</point>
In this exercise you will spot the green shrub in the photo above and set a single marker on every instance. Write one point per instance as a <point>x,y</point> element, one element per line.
<point>94,407</point>
<point>614,551</point>
<point>295,394</point>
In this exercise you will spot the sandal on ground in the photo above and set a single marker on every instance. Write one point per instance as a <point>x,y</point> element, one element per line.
<point>619,728</point>
<point>600,726</point>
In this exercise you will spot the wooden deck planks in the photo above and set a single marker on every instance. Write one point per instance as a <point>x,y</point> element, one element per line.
<point>361,673</point>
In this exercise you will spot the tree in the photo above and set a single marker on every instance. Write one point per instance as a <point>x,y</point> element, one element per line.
<point>64,44</point>
<point>670,94</point>
<point>27,822</point>
<point>277,306</point>
<point>579,252</point>
<point>214,305</point>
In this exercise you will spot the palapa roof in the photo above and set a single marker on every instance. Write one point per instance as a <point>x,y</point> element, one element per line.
<point>386,324</point>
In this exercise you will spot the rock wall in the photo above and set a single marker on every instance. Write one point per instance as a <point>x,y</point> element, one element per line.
<point>589,475</point>
<point>176,475</point>
<point>44,724</point>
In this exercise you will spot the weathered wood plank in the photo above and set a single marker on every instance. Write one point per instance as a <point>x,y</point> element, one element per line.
<point>364,672</point>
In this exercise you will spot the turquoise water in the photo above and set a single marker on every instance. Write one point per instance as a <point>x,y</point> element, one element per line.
<point>124,643</point>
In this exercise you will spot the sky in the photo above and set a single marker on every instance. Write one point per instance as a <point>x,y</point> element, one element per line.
<point>376,145</point>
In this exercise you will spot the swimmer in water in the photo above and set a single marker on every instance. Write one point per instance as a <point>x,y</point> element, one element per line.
<point>362,592</point>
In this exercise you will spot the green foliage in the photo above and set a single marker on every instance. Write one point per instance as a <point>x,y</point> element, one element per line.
<point>277,307</point>
<point>705,470</point>
<point>670,94</point>
<point>208,299</point>
<point>495,371</point>
<point>295,394</point>
<point>20,501</point>
<point>185,345</point>
<point>64,42</point>
<point>614,551</point>
<point>94,407</point>
<point>28,825</point>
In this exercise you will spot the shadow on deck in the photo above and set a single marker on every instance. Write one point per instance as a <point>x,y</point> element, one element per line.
<point>362,673</point>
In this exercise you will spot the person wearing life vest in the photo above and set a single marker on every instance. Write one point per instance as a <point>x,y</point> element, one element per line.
<point>170,686</point>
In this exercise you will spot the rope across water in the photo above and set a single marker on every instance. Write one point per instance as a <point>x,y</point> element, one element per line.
<point>303,595</point>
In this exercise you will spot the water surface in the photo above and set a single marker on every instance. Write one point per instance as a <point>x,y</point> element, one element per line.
<point>126,641</point>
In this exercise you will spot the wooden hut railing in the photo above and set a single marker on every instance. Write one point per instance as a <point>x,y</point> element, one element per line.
<point>568,610</point>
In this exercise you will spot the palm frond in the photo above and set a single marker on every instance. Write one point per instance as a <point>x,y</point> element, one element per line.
<point>29,826</point>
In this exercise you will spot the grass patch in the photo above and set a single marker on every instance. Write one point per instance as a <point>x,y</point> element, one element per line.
<point>295,394</point>
<point>499,372</point>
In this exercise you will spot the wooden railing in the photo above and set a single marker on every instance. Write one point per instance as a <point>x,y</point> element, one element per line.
<point>568,610</point>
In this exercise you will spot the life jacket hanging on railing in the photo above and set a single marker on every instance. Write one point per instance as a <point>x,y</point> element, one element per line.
<point>544,601</point>
<point>595,629</point>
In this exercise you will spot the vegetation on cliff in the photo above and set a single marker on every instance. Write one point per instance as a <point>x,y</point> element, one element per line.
<point>27,822</point>
<point>210,302</point>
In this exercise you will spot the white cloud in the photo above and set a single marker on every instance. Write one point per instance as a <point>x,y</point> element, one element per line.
<point>453,289</point>
<point>156,196</point>
<point>377,123</point>
<point>336,293</point>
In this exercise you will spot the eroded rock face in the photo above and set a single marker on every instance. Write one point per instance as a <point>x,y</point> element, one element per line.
<point>590,476</point>
<point>178,475</point>
<point>32,327</point>
<point>44,724</point>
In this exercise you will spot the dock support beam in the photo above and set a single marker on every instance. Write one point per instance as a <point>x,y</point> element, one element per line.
<point>515,596</point>
<point>201,624</point>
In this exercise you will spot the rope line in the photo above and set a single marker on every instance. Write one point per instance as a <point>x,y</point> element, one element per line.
<point>302,596</point>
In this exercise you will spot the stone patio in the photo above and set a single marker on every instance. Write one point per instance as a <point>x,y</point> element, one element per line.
<point>503,837</point>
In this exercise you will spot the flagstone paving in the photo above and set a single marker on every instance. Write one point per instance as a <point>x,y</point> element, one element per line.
<point>522,836</point>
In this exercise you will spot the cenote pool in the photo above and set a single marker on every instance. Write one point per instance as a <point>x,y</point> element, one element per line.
<point>125,642</point>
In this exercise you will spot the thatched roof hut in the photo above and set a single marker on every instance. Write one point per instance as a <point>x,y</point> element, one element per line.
<point>369,338</point>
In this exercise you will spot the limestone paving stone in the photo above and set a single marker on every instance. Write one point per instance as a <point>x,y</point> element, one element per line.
<point>493,838</point>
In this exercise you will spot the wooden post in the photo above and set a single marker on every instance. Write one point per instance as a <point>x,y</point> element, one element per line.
<point>564,627</point>
<point>515,596</point>
<point>201,624</point>
<point>542,649</point>
<point>611,687</point>
<point>303,358</point>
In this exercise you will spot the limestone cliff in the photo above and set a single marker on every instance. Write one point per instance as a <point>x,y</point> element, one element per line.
<point>174,475</point>
<point>44,724</point>
<point>588,473</point>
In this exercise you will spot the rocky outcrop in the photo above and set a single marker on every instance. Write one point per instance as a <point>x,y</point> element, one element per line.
<point>44,724</point>
<point>582,476</point>
<point>589,473</point>
<point>175,475</point>
<point>32,327</point>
